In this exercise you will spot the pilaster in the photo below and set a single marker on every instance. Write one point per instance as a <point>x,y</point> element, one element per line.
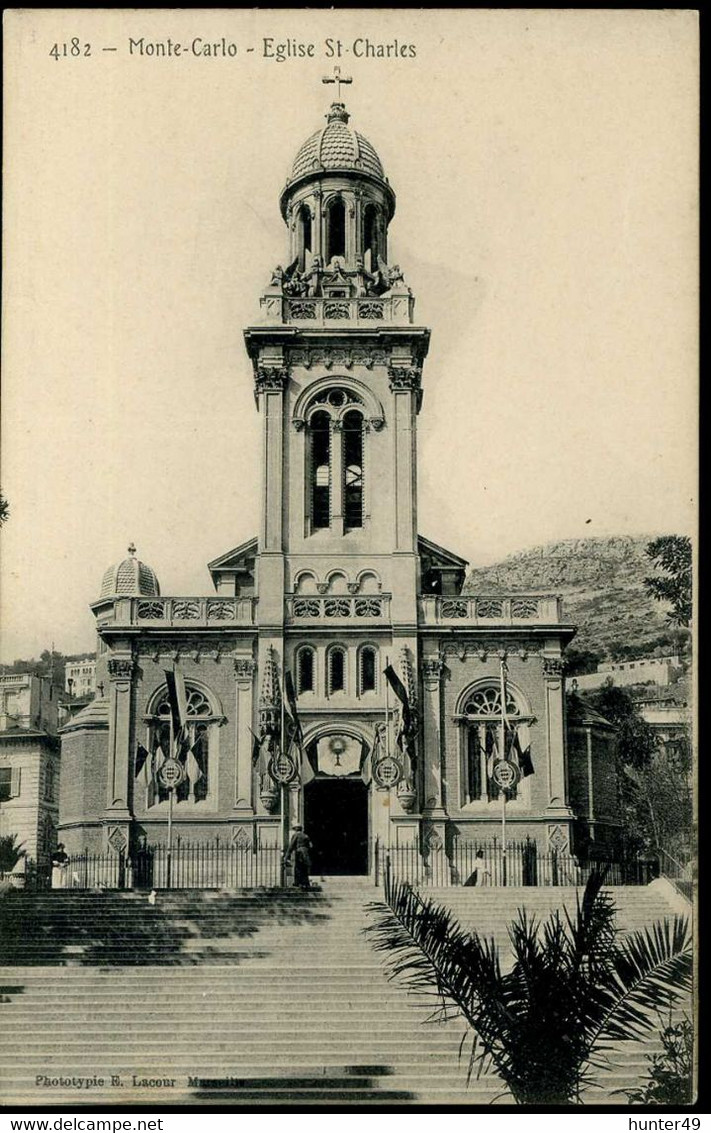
<point>245,673</point>
<point>121,670</point>
<point>432,672</point>
<point>555,749</point>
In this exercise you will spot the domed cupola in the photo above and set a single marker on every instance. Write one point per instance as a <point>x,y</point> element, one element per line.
<point>337,203</point>
<point>336,148</point>
<point>130,579</point>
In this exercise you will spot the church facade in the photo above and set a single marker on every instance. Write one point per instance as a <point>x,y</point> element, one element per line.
<point>337,586</point>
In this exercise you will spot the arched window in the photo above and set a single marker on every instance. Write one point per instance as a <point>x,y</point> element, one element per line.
<point>320,470</point>
<point>304,235</point>
<point>485,741</point>
<point>353,469</point>
<point>371,247</point>
<point>336,670</point>
<point>196,751</point>
<point>368,669</point>
<point>335,229</point>
<point>305,670</point>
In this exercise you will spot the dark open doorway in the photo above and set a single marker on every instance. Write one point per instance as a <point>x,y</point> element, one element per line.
<point>336,821</point>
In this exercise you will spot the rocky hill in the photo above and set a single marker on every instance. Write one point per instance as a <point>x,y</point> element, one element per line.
<point>601,581</point>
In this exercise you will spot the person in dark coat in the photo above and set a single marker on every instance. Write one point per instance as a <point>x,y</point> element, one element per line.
<point>299,852</point>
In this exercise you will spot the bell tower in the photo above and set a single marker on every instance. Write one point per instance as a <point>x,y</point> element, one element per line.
<point>337,362</point>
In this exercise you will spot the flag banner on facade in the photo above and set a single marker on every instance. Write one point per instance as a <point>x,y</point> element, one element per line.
<point>521,751</point>
<point>406,732</point>
<point>371,755</point>
<point>307,770</point>
<point>492,751</point>
<point>256,748</point>
<point>178,700</point>
<point>297,735</point>
<point>193,769</point>
<point>143,770</point>
<point>339,754</point>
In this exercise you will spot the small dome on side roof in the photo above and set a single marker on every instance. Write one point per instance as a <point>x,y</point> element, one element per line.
<point>130,579</point>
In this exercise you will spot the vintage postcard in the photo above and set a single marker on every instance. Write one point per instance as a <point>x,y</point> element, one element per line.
<point>348,522</point>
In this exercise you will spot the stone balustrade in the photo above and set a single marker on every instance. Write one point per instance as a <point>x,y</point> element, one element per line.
<point>366,311</point>
<point>490,610</point>
<point>193,612</point>
<point>361,609</point>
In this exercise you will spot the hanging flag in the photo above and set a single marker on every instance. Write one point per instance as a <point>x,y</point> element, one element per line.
<point>408,725</point>
<point>522,755</point>
<point>143,770</point>
<point>193,770</point>
<point>491,749</point>
<point>256,748</point>
<point>297,735</point>
<point>307,771</point>
<point>177,698</point>
<point>370,756</point>
<point>399,689</point>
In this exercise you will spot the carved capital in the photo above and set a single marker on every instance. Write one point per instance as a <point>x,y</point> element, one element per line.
<point>299,424</point>
<point>432,669</point>
<point>245,668</point>
<point>270,379</point>
<point>377,423</point>
<point>553,667</point>
<point>405,378</point>
<point>121,668</point>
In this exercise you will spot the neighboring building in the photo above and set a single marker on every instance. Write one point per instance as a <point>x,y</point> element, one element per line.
<point>29,763</point>
<point>648,670</point>
<point>80,677</point>
<point>337,583</point>
<point>594,788</point>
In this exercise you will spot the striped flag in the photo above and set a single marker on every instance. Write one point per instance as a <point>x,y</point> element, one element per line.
<point>178,700</point>
<point>143,769</point>
<point>521,751</point>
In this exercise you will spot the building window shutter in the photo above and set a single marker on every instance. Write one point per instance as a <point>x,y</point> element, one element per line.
<point>15,782</point>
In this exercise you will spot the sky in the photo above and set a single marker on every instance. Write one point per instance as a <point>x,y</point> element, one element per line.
<point>545,170</point>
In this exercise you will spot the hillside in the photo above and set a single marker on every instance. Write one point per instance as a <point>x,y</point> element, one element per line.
<point>601,581</point>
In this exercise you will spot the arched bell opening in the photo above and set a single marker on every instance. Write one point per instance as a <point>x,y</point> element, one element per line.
<point>372,250</point>
<point>335,229</point>
<point>304,236</point>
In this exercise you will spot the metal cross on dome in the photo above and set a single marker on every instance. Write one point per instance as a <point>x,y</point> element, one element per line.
<point>338,79</point>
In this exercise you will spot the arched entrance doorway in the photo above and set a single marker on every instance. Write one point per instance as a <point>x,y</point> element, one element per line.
<point>336,821</point>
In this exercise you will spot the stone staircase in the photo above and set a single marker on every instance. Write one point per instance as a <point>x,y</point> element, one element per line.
<point>255,998</point>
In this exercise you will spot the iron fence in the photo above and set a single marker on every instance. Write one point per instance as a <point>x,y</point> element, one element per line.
<point>200,865</point>
<point>522,864</point>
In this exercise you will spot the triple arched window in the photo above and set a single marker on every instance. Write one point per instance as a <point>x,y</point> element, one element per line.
<point>336,430</point>
<point>337,670</point>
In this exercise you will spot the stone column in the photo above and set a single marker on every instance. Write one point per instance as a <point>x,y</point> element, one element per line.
<point>317,234</point>
<point>337,517</point>
<point>245,670</point>
<point>433,803</point>
<point>351,238</point>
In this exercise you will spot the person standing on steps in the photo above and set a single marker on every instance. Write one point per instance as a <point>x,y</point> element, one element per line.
<point>299,852</point>
<point>60,863</point>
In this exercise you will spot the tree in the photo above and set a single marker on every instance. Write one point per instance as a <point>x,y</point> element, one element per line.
<point>579,661</point>
<point>636,742</point>
<point>672,554</point>
<point>575,985</point>
<point>4,510</point>
<point>10,852</point>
